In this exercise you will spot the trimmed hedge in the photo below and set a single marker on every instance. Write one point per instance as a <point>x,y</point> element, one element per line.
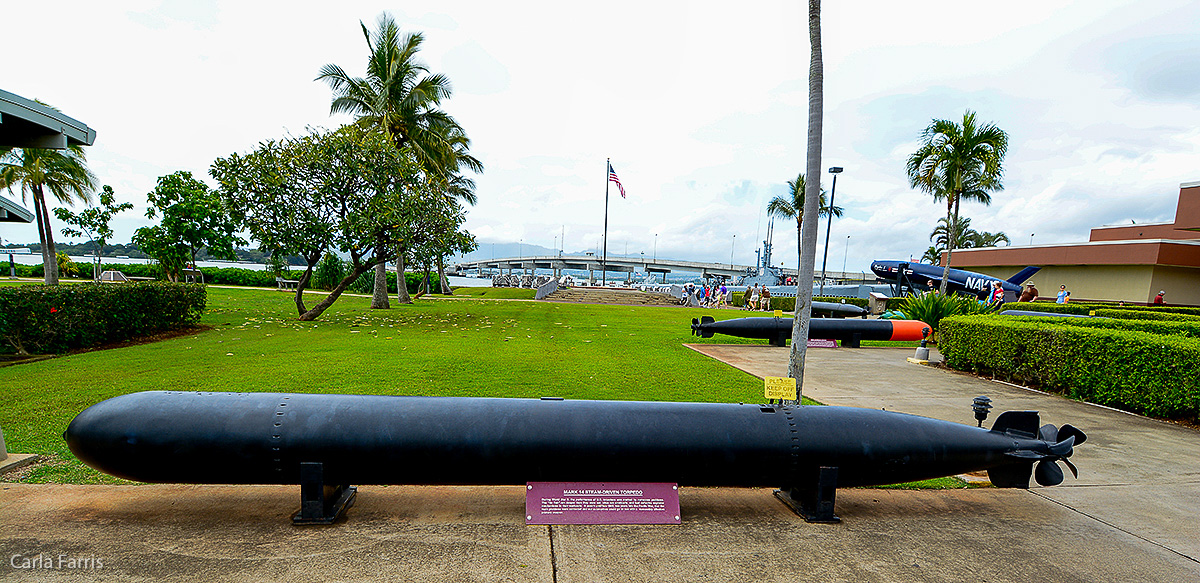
<point>1137,371</point>
<point>1085,308</point>
<point>1172,328</point>
<point>1147,315</point>
<point>789,304</point>
<point>53,319</point>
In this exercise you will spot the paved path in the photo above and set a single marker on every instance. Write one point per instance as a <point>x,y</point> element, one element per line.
<point>1130,517</point>
<point>1138,475</point>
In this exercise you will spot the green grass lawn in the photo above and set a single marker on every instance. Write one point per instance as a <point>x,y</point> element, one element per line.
<point>435,347</point>
<point>495,293</point>
<point>450,347</point>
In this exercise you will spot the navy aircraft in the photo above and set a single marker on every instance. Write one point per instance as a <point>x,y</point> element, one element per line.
<point>912,275</point>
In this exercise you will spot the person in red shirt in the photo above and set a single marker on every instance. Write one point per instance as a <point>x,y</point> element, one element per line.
<point>1158,299</point>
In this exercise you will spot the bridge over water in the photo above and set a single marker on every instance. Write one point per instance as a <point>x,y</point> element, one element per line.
<point>617,265</point>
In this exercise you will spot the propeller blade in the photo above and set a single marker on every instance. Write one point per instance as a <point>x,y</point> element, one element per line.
<point>1074,470</point>
<point>1064,447</point>
<point>1048,433</point>
<point>1048,473</point>
<point>1072,431</point>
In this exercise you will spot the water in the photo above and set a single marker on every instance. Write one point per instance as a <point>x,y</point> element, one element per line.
<point>84,261</point>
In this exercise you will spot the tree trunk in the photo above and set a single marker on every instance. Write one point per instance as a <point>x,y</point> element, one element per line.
<point>401,282</point>
<point>303,283</point>
<point>442,283</point>
<point>324,304</point>
<point>812,200</point>
<point>49,253</point>
<point>952,224</point>
<point>379,300</point>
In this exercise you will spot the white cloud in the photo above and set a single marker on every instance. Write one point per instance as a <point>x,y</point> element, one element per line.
<point>701,106</point>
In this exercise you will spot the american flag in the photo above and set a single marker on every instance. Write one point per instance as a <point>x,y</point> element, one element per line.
<point>612,177</point>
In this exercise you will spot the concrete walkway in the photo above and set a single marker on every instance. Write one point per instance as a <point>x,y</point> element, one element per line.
<point>1137,475</point>
<point>1130,517</point>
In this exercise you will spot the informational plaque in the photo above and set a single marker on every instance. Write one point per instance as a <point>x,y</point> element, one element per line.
<point>778,313</point>
<point>780,388</point>
<point>601,503</point>
<point>821,343</point>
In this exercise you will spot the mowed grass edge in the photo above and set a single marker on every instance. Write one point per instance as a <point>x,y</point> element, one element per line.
<point>460,347</point>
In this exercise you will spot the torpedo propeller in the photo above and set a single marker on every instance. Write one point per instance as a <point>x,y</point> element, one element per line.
<point>1064,441</point>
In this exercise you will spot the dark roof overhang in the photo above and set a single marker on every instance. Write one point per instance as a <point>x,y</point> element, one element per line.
<point>27,124</point>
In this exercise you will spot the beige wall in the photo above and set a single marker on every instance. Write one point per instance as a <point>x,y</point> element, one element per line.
<point>1182,285</point>
<point>1130,283</point>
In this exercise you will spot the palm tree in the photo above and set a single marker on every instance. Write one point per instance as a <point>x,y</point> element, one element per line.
<point>932,255</point>
<point>400,98</point>
<point>807,242</point>
<point>964,236</point>
<point>62,173</point>
<point>955,162</point>
<point>988,239</point>
<point>792,205</point>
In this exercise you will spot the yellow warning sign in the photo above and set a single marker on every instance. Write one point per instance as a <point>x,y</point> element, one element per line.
<point>778,313</point>
<point>780,388</point>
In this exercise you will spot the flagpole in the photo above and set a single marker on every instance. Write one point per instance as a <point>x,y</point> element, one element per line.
<point>604,259</point>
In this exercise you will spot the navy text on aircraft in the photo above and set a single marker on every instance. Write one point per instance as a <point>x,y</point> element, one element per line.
<point>912,275</point>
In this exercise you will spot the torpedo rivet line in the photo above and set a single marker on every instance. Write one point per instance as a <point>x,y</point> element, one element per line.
<point>276,441</point>
<point>794,471</point>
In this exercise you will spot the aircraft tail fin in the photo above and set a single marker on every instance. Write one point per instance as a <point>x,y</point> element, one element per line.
<point>1023,275</point>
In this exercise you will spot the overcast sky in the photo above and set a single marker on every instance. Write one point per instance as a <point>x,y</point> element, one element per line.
<point>702,108</point>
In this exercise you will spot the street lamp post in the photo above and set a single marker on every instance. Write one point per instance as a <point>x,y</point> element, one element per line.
<point>845,254</point>
<point>828,225</point>
<point>731,248</point>
<point>656,247</point>
<point>1031,239</point>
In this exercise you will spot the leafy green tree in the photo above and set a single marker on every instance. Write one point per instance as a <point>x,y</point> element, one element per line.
<point>65,265</point>
<point>327,191</point>
<point>161,246</point>
<point>93,222</point>
<point>61,173</point>
<point>193,217</point>
<point>400,98</point>
<point>956,162</point>
<point>792,205</point>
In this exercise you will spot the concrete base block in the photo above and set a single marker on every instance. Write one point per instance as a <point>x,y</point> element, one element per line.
<point>17,460</point>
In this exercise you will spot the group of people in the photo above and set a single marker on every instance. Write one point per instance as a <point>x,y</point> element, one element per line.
<point>709,296</point>
<point>758,298</point>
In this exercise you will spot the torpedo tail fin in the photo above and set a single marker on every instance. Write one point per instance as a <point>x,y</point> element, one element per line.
<point>1023,275</point>
<point>701,327</point>
<point>1014,475</point>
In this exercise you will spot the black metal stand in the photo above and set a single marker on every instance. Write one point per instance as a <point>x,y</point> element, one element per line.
<point>815,503</point>
<point>321,503</point>
<point>854,341</point>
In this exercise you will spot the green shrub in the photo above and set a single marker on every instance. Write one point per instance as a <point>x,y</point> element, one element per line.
<point>328,272</point>
<point>52,319</point>
<point>1077,309</point>
<point>1170,328</point>
<point>1147,315</point>
<point>787,304</point>
<point>1132,370</point>
<point>931,308</point>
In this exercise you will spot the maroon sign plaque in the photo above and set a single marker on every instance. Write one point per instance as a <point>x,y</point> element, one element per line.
<point>821,343</point>
<point>601,503</point>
